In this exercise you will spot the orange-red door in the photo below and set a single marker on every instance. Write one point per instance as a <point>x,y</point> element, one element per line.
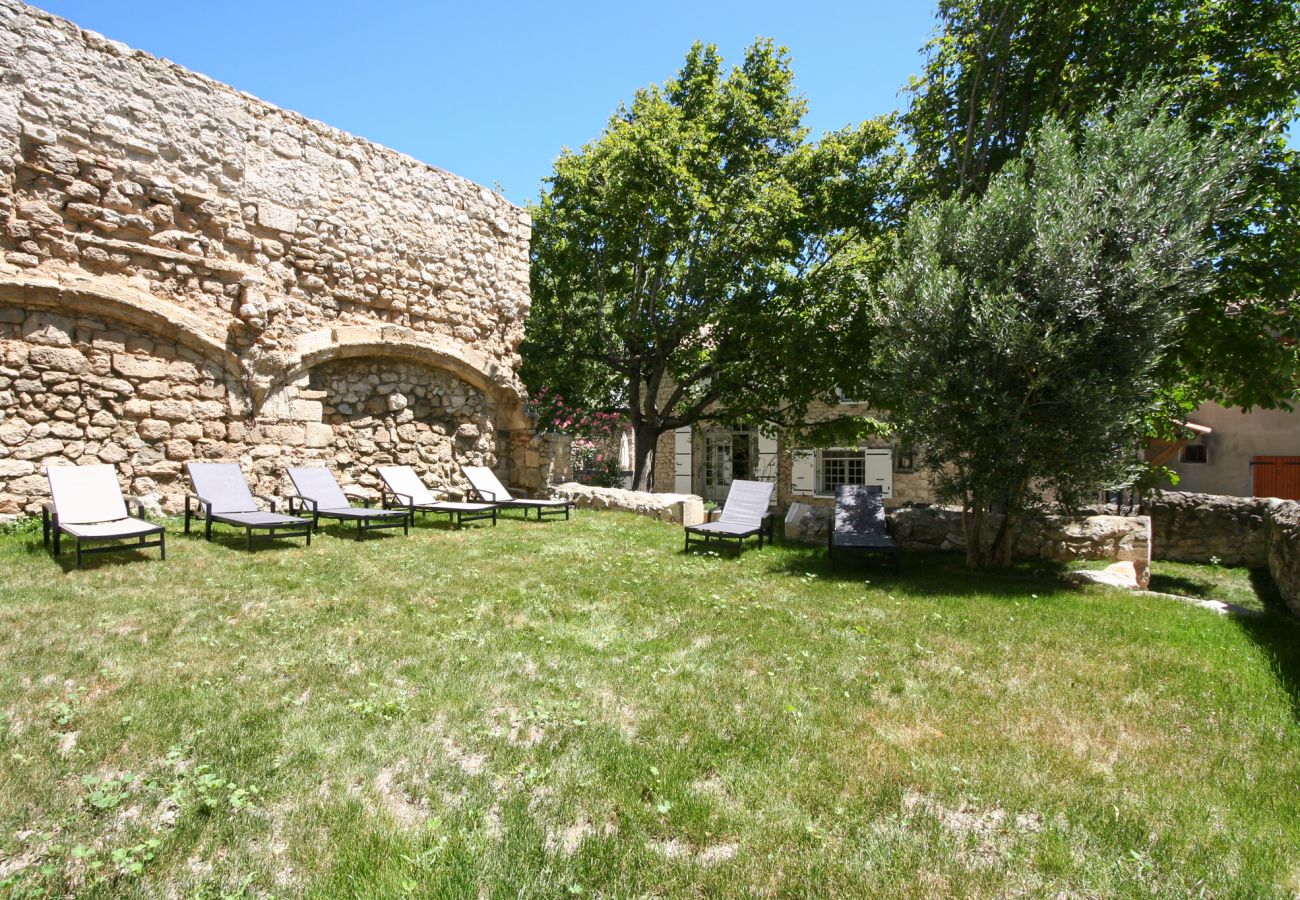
<point>1277,476</point>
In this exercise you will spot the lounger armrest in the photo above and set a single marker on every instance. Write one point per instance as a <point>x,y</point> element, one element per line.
<point>269,501</point>
<point>203,506</point>
<point>307,502</point>
<point>398,499</point>
<point>138,504</point>
<point>485,496</point>
<point>353,492</point>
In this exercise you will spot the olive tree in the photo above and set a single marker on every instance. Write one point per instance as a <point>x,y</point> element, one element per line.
<point>1024,330</point>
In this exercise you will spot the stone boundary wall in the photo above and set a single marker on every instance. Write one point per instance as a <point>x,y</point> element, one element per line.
<point>1197,528</point>
<point>680,509</point>
<point>1257,532</point>
<point>1284,551</point>
<point>179,259</point>
<point>938,528</point>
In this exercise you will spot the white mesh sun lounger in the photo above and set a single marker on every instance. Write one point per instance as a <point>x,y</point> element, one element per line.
<point>222,495</point>
<point>319,492</point>
<point>87,504</point>
<point>745,514</point>
<point>405,490</point>
<point>489,489</point>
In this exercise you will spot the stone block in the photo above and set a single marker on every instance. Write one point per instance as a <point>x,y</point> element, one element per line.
<point>154,430</point>
<point>171,410</point>
<point>129,366</point>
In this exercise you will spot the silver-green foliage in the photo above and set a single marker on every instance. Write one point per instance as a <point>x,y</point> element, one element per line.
<point>1023,331</point>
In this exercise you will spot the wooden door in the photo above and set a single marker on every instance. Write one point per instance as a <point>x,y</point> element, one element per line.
<point>1277,476</point>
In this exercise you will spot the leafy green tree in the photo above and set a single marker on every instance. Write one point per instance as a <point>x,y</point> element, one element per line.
<point>701,257</point>
<point>996,70</point>
<point>1024,330</point>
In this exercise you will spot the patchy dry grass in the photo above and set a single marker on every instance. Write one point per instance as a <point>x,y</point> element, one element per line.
<point>538,710</point>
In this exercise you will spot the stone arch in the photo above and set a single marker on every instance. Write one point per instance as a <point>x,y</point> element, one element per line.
<point>96,298</point>
<point>393,342</point>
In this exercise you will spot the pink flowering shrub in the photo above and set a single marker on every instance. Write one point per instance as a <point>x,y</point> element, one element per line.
<point>596,437</point>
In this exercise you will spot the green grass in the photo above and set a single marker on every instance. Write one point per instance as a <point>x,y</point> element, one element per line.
<point>1240,586</point>
<point>581,708</point>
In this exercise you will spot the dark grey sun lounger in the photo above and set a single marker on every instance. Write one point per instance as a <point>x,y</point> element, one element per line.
<point>319,493</point>
<point>745,514</point>
<point>489,489</point>
<point>405,490</point>
<point>87,504</point>
<point>860,525</point>
<point>221,494</point>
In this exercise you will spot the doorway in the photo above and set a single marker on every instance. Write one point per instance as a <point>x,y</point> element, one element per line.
<point>728,455</point>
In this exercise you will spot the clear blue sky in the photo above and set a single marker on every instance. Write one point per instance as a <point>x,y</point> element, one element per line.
<point>493,91</point>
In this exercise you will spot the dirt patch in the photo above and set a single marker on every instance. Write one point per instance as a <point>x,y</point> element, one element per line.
<point>470,763</point>
<point>988,831</point>
<point>401,807</point>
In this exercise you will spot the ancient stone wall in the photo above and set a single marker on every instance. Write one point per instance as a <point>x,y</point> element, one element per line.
<point>1201,528</point>
<point>680,509</point>
<point>189,272</point>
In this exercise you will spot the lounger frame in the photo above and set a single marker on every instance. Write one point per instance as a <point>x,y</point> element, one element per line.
<point>863,532</point>
<point>50,528</point>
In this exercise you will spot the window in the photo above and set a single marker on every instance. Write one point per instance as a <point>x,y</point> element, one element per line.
<point>905,459</point>
<point>1195,453</point>
<point>844,399</point>
<point>840,466</point>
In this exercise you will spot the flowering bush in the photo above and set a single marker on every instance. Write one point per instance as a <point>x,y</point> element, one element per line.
<point>594,451</point>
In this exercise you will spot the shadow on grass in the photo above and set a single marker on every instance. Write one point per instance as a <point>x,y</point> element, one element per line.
<point>236,540</point>
<point>1278,634</point>
<point>1184,587</point>
<point>939,573</point>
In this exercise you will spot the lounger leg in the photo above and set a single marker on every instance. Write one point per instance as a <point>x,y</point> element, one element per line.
<point>249,537</point>
<point>187,514</point>
<point>359,521</point>
<point>45,526</point>
<point>406,527</point>
<point>207,529</point>
<point>162,545</point>
<point>58,544</point>
<point>78,553</point>
<point>308,537</point>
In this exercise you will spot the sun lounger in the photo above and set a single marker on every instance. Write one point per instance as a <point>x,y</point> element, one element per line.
<point>860,525</point>
<point>405,490</point>
<point>489,489</point>
<point>221,494</point>
<point>87,504</point>
<point>319,492</point>
<point>744,515</point>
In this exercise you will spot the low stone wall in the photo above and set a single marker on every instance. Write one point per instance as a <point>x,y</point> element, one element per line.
<point>1200,528</point>
<point>931,528</point>
<point>1284,551</point>
<point>681,509</point>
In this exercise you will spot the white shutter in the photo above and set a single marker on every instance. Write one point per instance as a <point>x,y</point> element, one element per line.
<point>682,460</point>
<point>802,471</point>
<point>765,465</point>
<point>880,470</point>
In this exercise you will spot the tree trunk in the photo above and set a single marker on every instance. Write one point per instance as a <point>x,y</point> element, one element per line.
<point>1004,544</point>
<point>973,516</point>
<point>645,440</point>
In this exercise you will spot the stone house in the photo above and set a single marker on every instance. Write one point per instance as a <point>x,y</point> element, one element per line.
<point>187,272</point>
<point>1237,453</point>
<point>704,459</point>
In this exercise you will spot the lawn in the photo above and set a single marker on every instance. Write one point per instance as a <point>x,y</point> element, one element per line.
<point>579,708</point>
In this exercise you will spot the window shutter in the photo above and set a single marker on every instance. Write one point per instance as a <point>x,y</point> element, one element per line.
<point>880,470</point>
<point>765,465</point>
<point>682,460</point>
<point>802,471</point>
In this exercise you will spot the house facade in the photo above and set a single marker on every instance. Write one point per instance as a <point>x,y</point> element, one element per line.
<point>706,457</point>
<point>1237,453</point>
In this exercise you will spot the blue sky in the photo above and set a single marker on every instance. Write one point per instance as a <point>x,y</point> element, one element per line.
<point>493,91</point>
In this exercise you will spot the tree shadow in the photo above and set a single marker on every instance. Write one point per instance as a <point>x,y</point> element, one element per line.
<point>939,572</point>
<point>1277,633</point>
<point>235,540</point>
<point>1181,585</point>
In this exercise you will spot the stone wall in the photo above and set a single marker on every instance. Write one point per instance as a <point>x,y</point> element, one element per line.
<point>184,270</point>
<point>1058,538</point>
<point>680,509</point>
<point>1284,551</point>
<point>1200,528</point>
<point>1258,532</point>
